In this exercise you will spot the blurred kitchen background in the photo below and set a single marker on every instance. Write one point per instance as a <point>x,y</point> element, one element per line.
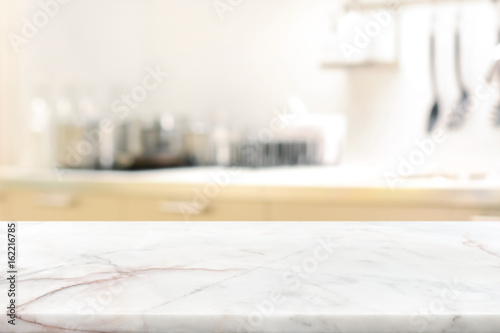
<point>143,110</point>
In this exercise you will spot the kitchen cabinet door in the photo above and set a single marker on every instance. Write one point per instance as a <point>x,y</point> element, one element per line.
<point>62,206</point>
<point>476,214</point>
<point>4,216</point>
<point>322,212</point>
<point>175,209</point>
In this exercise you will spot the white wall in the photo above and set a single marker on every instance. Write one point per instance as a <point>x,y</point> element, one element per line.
<point>9,114</point>
<point>246,65</point>
<point>243,67</point>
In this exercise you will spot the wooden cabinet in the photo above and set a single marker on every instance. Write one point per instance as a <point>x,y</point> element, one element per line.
<point>4,216</point>
<point>38,205</point>
<point>173,209</point>
<point>61,206</point>
<point>476,214</point>
<point>159,202</point>
<point>322,212</point>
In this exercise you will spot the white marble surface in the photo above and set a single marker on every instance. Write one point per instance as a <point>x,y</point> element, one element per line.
<point>256,277</point>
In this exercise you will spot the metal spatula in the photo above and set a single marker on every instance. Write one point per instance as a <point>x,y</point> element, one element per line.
<point>458,115</point>
<point>435,109</point>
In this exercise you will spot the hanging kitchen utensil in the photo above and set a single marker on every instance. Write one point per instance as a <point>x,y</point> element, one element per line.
<point>434,114</point>
<point>458,115</point>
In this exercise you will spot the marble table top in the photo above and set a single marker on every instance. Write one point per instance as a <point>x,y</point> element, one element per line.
<point>255,277</point>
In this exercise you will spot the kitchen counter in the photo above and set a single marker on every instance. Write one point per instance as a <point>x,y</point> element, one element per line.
<point>346,184</point>
<point>303,176</point>
<point>256,277</point>
<point>340,176</point>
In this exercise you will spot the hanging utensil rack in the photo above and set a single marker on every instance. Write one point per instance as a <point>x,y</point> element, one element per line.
<point>392,5</point>
<point>358,5</point>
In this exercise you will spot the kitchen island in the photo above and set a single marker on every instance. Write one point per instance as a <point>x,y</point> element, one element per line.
<point>256,277</point>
